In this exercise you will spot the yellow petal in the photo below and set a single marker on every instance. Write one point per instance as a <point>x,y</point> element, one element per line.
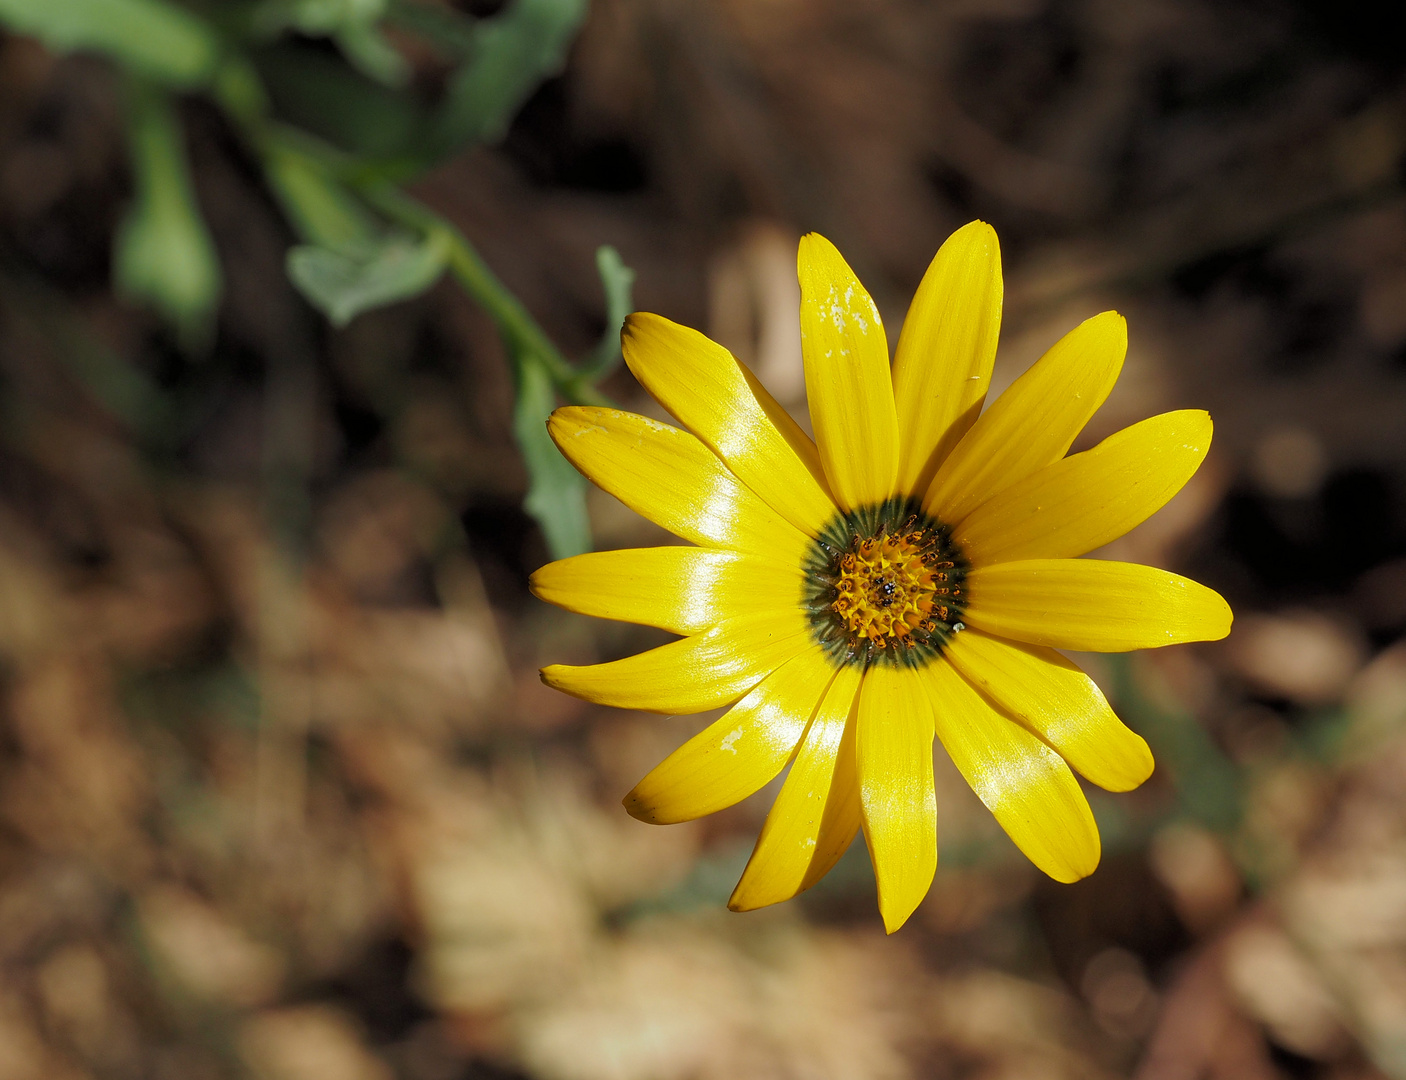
<point>816,815</point>
<point>708,391</point>
<point>1032,424</point>
<point>692,675</point>
<point>847,377</point>
<point>675,481</point>
<point>942,367</point>
<point>739,754</point>
<point>1093,606</point>
<point>1058,702</point>
<point>893,747</point>
<point>1025,784</point>
<point>1084,501</point>
<point>681,589</point>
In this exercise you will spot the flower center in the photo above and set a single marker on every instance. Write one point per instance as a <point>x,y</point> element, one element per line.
<point>884,585</point>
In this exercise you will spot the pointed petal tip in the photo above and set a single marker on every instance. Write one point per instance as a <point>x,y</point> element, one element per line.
<point>747,895</point>
<point>817,258</point>
<point>534,580</point>
<point>739,903</point>
<point>639,809</point>
<point>637,327</point>
<point>977,232</point>
<point>895,916</point>
<point>1112,323</point>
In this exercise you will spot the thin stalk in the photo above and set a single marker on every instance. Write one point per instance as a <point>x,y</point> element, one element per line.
<point>519,330</point>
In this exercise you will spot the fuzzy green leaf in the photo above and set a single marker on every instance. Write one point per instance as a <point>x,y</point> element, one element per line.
<point>164,254</point>
<point>556,495</point>
<point>342,283</point>
<point>159,40</point>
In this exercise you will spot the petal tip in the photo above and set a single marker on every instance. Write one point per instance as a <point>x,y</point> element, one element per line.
<point>740,903</point>
<point>1219,618</point>
<point>978,232</point>
<point>1068,874</point>
<point>894,918</point>
<point>896,905</point>
<point>640,808</point>
<point>1138,765</point>
<point>816,258</point>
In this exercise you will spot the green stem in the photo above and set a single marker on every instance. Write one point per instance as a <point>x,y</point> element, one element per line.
<point>520,331</point>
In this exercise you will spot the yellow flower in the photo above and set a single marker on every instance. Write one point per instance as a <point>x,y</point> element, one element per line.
<point>911,572</point>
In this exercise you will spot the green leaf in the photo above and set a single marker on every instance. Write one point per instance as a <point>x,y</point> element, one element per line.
<point>556,494</point>
<point>371,54</point>
<point>342,283</point>
<point>321,93</point>
<point>513,52</point>
<point>618,281</point>
<point>316,18</point>
<point>164,254</point>
<point>322,211</point>
<point>160,40</point>
<point>447,31</point>
<point>351,23</point>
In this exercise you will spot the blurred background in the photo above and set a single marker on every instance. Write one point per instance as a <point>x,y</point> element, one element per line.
<point>287,288</point>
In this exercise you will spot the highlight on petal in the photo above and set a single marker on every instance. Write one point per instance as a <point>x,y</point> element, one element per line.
<point>1058,702</point>
<point>738,754</point>
<point>816,815</point>
<point>684,590</point>
<point>942,366</point>
<point>691,675</point>
<point>847,377</point>
<point>1089,605</point>
<point>708,391</point>
<point>1025,784</point>
<point>893,749</point>
<point>669,477</point>
<point>1082,502</point>
<point>1033,423</point>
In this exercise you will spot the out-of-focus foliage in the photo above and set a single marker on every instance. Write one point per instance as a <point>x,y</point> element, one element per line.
<point>509,56</point>
<point>160,40</point>
<point>164,253</point>
<point>355,277</point>
<point>379,131</point>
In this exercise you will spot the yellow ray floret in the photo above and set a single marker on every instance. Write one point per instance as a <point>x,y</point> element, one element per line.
<point>669,477</point>
<point>1092,606</point>
<point>1083,501</point>
<point>1023,782</point>
<point>735,756</point>
<point>685,590</point>
<point>1059,703</point>
<point>846,359</point>
<point>817,814</point>
<point>691,675</point>
<point>942,366</point>
<point>722,403</point>
<point>893,751</point>
<point>1033,423</point>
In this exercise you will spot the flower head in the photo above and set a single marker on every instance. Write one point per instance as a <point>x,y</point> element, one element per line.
<point>908,573</point>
